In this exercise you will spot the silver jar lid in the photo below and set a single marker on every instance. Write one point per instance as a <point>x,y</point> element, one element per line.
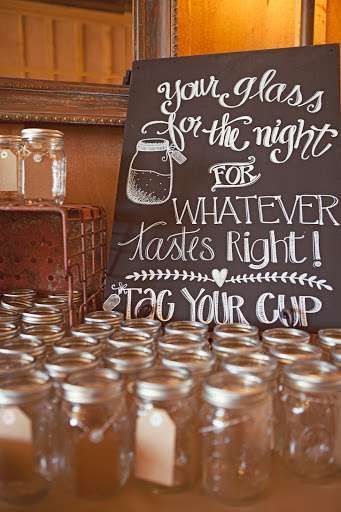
<point>125,339</point>
<point>256,363</point>
<point>198,362</point>
<point>76,296</point>
<point>230,390</point>
<point>16,305</point>
<point>113,318</point>
<point>227,347</point>
<point>235,330</point>
<point>100,332</point>
<point>21,293</point>
<point>290,353</point>
<point>31,134</point>
<point>329,338</point>
<point>313,376</point>
<point>11,363</point>
<point>60,366</point>
<point>163,384</point>
<point>94,386</point>
<point>129,359</point>
<point>25,387</point>
<point>43,315</point>
<point>8,331</point>
<point>170,343</point>
<point>47,333</point>
<point>186,327</point>
<point>77,344</point>
<point>52,302</point>
<point>284,335</point>
<point>9,317</point>
<point>27,344</point>
<point>141,324</point>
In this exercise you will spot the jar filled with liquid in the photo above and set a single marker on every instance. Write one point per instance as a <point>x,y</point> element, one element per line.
<point>96,434</point>
<point>311,401</point>
<point>236,436</point>
<point>165,430</point>
<point>10,164</point>
<point>150,178</point>
<point>43,174</point>
<point>24,431</point>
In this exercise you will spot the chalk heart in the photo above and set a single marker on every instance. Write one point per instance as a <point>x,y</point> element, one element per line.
<point>219,276</point>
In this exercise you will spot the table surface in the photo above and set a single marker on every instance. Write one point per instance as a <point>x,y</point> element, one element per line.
<point>286,494</point>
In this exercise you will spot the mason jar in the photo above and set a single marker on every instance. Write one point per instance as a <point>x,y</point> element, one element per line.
<point>8,331</point>
<point>60,303</point>
<point>312,413</point>
<point>286,355</point>
<point>74,301</point>
<point>224,348</point>
<point>235,330</point>
<point>24,430</point>
<point>17,306</point>
<point>26,344</point>
<point>96,434</point>
<point>21,293</point>
<point>14,364</point>
<point>121,339</point>
<point>335,357</point>
<point>42,177</point>
<point>236,434</point>
<point>170,343</point>
<point>9,317</point>
<point>184,327</point>
<point>328,340</point>
<point>113,318</point>
<point>10,164</point>
<point>200,363</point>
<point>78,344</point>
<point>166,446</point>
<point>49,334</point>
<point>100,332</point>
<point>42,316</point>
<point>138,325</point>
<point>284,335</point>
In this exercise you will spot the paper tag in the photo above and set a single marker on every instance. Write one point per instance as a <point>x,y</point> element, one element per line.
<point>178,157</point>
<point>8,171</point>
<point>112,301</point>
<point>15,425</point>
<point>155,439</point>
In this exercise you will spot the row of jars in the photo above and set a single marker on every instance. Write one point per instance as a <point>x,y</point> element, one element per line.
<point>88,422</point>
<point>33,167</point>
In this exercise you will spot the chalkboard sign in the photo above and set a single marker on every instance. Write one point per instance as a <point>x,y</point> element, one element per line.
<point>228,207</point>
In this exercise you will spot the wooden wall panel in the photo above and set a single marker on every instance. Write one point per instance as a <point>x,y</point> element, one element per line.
<point>333,21</point>
<point>213,26</point>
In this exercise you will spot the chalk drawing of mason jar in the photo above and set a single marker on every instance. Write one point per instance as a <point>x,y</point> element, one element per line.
<point>150,178</point>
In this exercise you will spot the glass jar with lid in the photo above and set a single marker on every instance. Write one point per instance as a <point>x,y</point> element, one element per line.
<point>42,316</point>
<point>311,401</point>
<point>165,430</point>
<point>235,330</point>
<point>60,303</point>
<point>121,339</point>
<point>100,332</point>
<point>137,325</point>
<point>77,344</point>
<point>328,340</point>
<point>284,335</point>
<point>236,434</point>
<point>224,348</point>
<point>74,302</point>
<point>16,305</point>
<point>170,343</point>
<point>42,177</point>
<point>183,327</point>
<point>96,434</point>
<point>8,331</point>
<point>21,293</point>
<point>9,317</point>
<point>114,318</point>
<point>10,167</point>
<point>24,431</point>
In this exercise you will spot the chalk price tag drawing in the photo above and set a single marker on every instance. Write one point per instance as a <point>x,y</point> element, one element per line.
<point>228,207</point>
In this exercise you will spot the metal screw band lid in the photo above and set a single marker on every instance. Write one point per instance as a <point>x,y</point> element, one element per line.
<point>23,388</point>
<point>11,140</point>
<point>163,384</point>
<point>20,293</point>
<point>100,332</point>
<point>141,324</point>
<point>197,362</point>
<point>126,339</point>
<point>285,335</point>
<point>152,145</point>
<point>9,317</point>
<point>175,342</point>
<point>186,327</point>
<point>329,338</point>
<point>256,363</point>
<point>313,376</point>
<point>76,296</point>
<point>60,366</point>
<point>290,353</point>
<point>73,344</point>
<point>229,390</point>
<point>94,386</point>
<point>130,359</point>
<point>8,331</point>
<point>235,330</point>
<point>43,315</point>
<point>98,317</point>
<point>16,305</point>
<point>52,302</point>
<point>39,133</point>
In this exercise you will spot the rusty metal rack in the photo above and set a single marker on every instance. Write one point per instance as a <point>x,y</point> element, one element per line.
<point>54,249</point>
